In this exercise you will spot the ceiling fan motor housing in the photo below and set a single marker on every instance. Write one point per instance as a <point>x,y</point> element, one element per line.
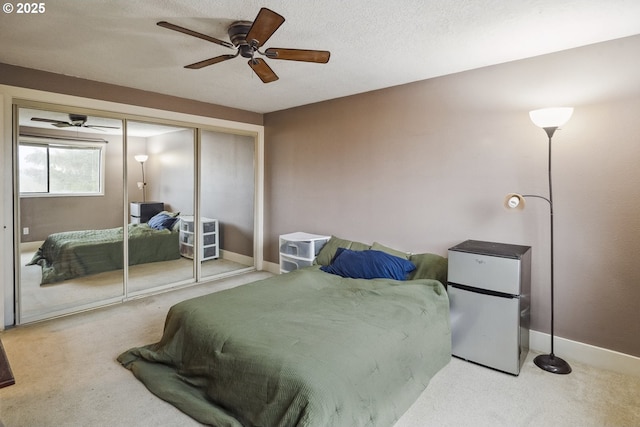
<point>77,119</point>
<point>238,36</point>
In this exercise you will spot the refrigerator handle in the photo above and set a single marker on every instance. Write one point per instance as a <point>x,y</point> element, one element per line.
<point>481,291</point>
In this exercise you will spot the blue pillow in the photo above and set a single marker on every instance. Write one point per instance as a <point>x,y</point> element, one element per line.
<point>369,264</point>
<point>162,221</point>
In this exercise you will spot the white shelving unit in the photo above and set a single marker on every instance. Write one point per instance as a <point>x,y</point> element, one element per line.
<point>209,237</point>
<point>299,249</point>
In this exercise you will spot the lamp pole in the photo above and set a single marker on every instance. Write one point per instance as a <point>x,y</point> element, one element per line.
<point>549,119</point>
<point>144,184</point>
<point>142,158</point>
<point>550,362</point>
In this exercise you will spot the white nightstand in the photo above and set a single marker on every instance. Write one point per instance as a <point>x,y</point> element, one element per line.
<point>299,249</point>
<point>208,238</point>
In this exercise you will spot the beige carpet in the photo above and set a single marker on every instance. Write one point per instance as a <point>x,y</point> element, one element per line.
<point>66,375</point>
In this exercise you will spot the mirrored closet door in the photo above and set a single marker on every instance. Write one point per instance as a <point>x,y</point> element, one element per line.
<point>227,197</point>
<point>111,207</point>
<point>69,192</point>
<point>161,183</point>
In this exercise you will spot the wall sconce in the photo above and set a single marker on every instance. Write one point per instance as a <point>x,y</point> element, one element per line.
<point>141,185</point>
<point>549,119</point>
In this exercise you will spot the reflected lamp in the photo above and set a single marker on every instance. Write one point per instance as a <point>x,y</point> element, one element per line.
<point>141,185</point>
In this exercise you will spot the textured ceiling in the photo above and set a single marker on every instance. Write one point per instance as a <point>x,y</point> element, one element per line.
<point>374,44</point>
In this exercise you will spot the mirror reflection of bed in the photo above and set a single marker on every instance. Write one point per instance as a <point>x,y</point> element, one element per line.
<point>37,298</point>
<point>112,178</point>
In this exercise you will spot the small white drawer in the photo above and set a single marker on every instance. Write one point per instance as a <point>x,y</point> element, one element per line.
<point>210,252</point>
<point>289,264</point>
<point>208,225</point>
<point>189,238</point>
<point>300,249</point>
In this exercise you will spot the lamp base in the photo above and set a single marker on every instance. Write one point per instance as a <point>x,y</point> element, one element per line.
<point>552,363</point>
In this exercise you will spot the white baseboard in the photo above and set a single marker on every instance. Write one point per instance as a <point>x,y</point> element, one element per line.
<point>585,353</point>
<point>233,256</point>
<point>271,267</point>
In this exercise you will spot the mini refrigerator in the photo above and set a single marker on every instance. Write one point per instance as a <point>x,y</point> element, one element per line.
<point>489,292</point>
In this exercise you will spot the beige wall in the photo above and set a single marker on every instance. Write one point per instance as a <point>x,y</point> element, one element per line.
<point>169,171</point>
<point>424,166</point>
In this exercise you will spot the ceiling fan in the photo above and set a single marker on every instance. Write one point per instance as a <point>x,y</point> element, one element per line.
<point>247,38</point>
<point>75,120</point>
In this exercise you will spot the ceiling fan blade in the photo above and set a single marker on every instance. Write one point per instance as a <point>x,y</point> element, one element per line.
<point>263,70</point>
<point>320,56</point>
<point>99,127</point>
<point>210,61</point>
<point>38,119</point>
<point>63,124</point>
<point>263,27</point>
<point>189,32</point>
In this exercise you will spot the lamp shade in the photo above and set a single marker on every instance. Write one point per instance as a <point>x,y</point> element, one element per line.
<point>514,201</point>
<point>141,158</point>
<point>551,117</point>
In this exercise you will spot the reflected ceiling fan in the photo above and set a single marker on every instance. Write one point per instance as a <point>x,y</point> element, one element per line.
<point>247,38</point>
<point>75,120</point>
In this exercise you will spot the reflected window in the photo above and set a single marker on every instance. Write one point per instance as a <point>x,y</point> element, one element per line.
<point>60,168</point>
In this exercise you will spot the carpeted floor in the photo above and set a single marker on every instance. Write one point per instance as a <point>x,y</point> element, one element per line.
<point>66,375</point>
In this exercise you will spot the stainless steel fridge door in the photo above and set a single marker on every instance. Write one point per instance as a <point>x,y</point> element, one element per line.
<point>484,271</point>
<point>485,329</point>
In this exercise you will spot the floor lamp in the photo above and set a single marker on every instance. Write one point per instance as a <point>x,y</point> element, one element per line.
<point>141,185</point>
<point>549,119</point>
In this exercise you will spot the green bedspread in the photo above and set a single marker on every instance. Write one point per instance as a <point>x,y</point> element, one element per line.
<point>306,348</point>
<point>73,254</point>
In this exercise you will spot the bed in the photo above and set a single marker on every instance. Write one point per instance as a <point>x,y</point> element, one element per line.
<point>72,254</point>
<point>305,348</point>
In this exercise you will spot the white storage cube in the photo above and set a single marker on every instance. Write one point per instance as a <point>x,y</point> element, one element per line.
<point>299,249</point>
<point>208,237</point>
